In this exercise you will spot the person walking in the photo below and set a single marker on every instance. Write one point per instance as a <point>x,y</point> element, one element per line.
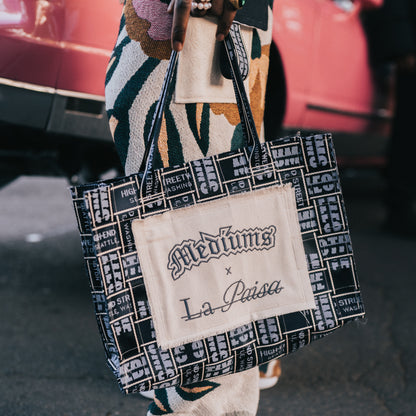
<point>201,119</point>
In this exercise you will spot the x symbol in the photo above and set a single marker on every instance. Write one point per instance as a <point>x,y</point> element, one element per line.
<point>228,269</point>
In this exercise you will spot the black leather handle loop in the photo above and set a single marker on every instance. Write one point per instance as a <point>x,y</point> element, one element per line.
<point>246,116</point>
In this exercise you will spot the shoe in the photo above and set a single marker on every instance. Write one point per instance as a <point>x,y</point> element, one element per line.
<point>149,394</point>
<point>269,374</point>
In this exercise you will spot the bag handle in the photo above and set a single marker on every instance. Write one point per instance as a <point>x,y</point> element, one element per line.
<point>246,116</point>
<point>147,161</point>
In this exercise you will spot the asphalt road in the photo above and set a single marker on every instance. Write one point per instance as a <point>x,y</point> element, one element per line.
<point>52,361</point>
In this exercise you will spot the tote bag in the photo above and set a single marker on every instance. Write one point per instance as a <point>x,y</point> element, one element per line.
<point>220,264</point>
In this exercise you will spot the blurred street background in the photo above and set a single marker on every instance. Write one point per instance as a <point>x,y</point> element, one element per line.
<point>336,66</point>
<point>52,362</point>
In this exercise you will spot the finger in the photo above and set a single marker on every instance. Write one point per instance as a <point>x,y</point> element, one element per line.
<point>181,12</point>
<point>170,7</point>
<point>217,7</point>
<point>225,21</point>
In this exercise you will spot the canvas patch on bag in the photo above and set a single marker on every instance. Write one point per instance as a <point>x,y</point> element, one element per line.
<point>215,266</point>
<point>199,78</point>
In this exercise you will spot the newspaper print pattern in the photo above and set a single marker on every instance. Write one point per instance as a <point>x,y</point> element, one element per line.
<point>104,216</point>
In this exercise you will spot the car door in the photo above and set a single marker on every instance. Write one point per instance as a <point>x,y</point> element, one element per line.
<point>89,36</point>
<point>341,91</point>
<point>90,33</point>
<point>30,58</point>
<point>293,36</point>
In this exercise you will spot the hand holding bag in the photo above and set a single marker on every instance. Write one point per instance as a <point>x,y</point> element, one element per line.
<point>221,264</point>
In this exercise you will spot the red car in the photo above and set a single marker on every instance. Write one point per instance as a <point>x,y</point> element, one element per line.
<point>319,59</point>
<point>52,67</point>
<point>53,56</point>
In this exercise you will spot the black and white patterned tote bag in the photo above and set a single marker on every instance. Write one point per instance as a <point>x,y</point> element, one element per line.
<point>221,264</point>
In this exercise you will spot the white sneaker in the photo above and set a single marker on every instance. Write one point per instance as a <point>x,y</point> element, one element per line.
<point>267,382</point>
<point>149,394</point>
<point>270,378</point>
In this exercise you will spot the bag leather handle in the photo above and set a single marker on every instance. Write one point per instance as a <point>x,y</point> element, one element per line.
<point>246,116</point>
<point>148,155</point>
